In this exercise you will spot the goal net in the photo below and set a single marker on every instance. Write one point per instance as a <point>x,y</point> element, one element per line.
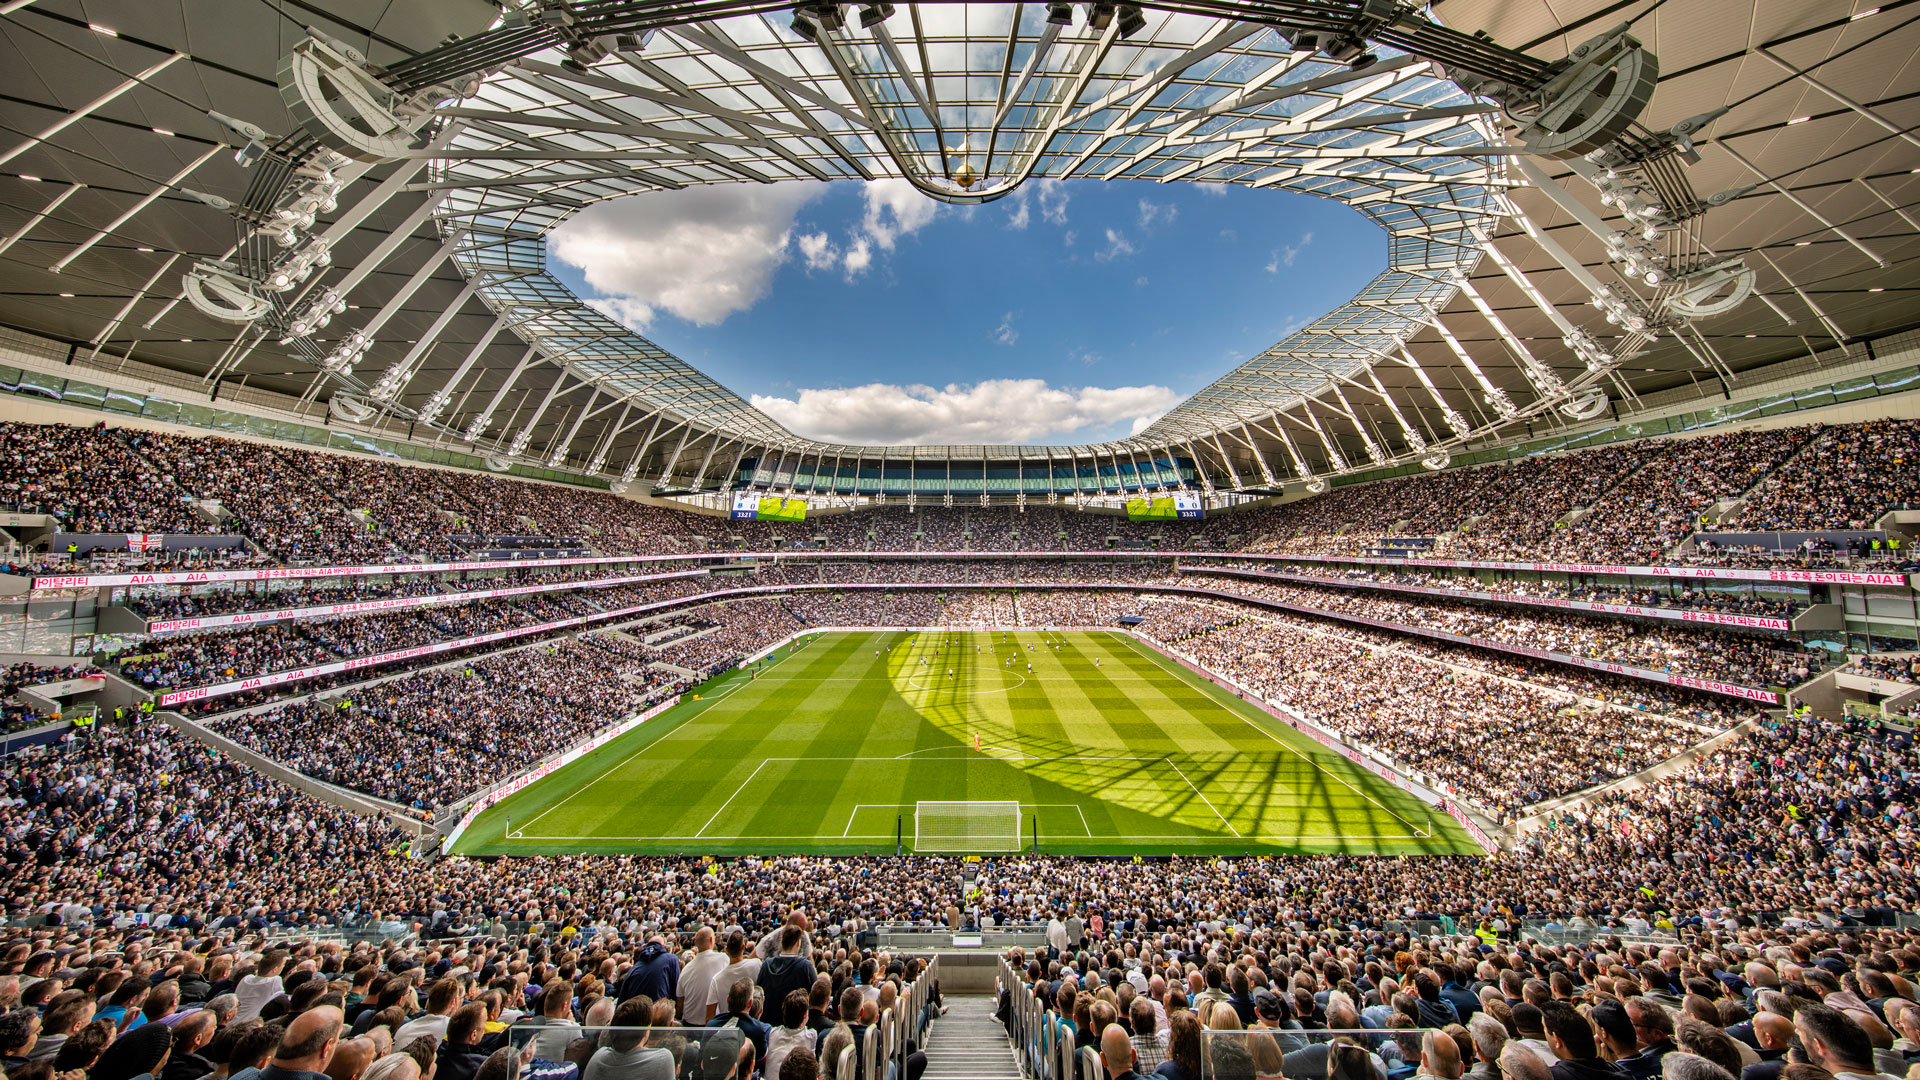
<point>966,826</point>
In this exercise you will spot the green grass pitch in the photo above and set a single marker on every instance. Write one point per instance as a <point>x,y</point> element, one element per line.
<point>1109,747</point>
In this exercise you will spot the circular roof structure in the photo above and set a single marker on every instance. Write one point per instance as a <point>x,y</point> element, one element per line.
<point>1613,200</point>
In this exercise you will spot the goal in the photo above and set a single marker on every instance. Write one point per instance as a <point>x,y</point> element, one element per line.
<point>966,826</point>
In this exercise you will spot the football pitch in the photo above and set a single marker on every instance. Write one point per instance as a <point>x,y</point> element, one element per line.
<point>1106,746</point>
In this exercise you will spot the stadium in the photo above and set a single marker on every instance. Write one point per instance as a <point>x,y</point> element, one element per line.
<point>554,539</point>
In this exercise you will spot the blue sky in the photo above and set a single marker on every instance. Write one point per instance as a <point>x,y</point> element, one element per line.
<point>1067,312</point>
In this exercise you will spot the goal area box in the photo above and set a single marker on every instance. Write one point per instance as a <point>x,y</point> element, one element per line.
<point>971,826</point>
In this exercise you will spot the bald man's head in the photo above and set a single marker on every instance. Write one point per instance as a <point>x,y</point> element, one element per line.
<point>1773,1031</point>
<point>309,1042</point>
<point>1116,1051</point>
<point>350,1059</point>
<point>1440,1055</point>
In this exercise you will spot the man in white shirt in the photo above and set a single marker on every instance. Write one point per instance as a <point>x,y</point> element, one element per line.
<point>442,997</point>
<point>255,990</point>
<point>792,1033</point>
<point>739,966</point>
<point>696,977</point>
<point>1057,934</point>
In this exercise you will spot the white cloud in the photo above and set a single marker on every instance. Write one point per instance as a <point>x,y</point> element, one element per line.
<point>859,257</point>
<point>1004,334</point>
<point>1140,282</point>
<point>818,250</point>
<point>631,314</point>
<point>995,411</point>
<point>1153,213</point>
<point>1117,247</point>
<point>701,253</point>
<point>1287,254</point>
<point>1069,238</point>
<point>1051,196</point>
<point>895,208</point>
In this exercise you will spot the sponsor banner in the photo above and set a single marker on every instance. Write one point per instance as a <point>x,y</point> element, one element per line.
<point>1746,693</point>
<point>1715,573</point>
<point>399,603</point>
<point>551,766</point>
<point>295,573</point>
<point>271,573</point>
<point>1716,618</point>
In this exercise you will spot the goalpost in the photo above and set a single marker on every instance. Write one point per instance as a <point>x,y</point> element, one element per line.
<point>966,826</point>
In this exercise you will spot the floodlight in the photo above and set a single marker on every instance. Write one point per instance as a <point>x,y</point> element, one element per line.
<point>873,15</point>
<point>1060,14</point>
<point>1131,21</point>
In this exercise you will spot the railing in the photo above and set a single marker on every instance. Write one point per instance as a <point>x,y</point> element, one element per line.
<point>879,1052</point>
<point>1044,1044</point>
<point>939,937</point>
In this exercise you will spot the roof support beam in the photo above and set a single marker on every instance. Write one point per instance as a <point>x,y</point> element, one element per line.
<point>87,110</point>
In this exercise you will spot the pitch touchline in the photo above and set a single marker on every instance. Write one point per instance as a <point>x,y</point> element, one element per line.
<point>815,837</point>
<point>704,703</point>
<point>1203,796</point>
<point>1285,745</point>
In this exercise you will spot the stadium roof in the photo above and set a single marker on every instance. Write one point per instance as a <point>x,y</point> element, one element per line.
<point>1511,297</point>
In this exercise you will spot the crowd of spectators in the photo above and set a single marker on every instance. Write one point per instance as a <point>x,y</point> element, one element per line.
<point>1690,650</point>
<point>200,659</point>
<point>1851,475</point>
<point>430,739</point>
<point>16,713</point>
<point>1624,503</point>
<point>1735,598</point>
<point>90,482</point>
<point>728,632</point>
<point>1904,669</point>
<point>1497,743</point>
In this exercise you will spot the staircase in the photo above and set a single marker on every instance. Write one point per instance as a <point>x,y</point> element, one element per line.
<point>969,1044</point>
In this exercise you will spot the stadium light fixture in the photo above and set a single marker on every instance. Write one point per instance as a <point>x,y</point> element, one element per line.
<point>804,27</point>
<point>1131,21</point>
<point>1060,14</point>
<point>873,15</point>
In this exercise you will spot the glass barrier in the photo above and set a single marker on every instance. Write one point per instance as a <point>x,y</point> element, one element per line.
<point>1269,1049</point>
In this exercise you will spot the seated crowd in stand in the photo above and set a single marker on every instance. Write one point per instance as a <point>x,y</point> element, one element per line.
<point>1784,855</point>
<point>430,739</point>
<point>1494,743</point>
<point>17,714</point>
<point>1629,504</point>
